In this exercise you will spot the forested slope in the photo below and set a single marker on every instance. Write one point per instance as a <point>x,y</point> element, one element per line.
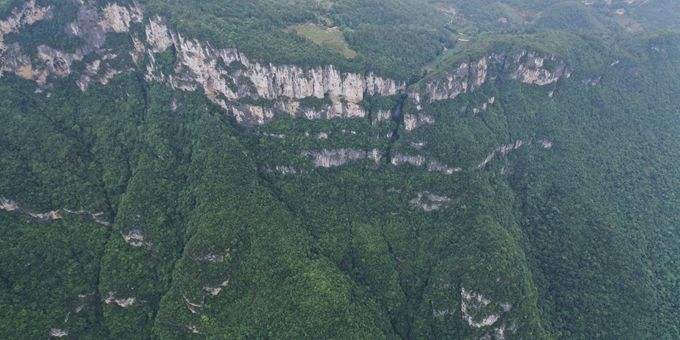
<point>199,169</point>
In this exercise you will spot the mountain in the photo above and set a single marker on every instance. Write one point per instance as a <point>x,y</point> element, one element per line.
<point>340,169</point>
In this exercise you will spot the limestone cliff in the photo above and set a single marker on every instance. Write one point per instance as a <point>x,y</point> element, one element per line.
<point>527,67</point>
<point>253,92</point>
<point>227,76</point>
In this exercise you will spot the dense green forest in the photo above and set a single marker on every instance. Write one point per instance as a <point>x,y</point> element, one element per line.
<point>510,169</point>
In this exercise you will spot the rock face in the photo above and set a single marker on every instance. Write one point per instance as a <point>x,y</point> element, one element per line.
<point>502,151</point>
<point>546,143</point>
<point>91,25</point>
<point>399,159</point>
<point>227,77</point>
<point>100,71</point>
<point>335,158</point>
<point>193,307</point>
<point>224,75</point>
<point>192,329</point>
<point>50,216</point>
<point>120,302</point>
<point>464,78</point>
<point>94,217</point>
<point>413,121</point>
<point>58,333</point>
<point>27,15</point>
<point>429,202</point>
<point>479,312</point>
<point>531,69</point>
<point>382,116</point>
<point>526,67</point>
<point>471,304</point>
<point>435,166</point>
<point>281,169</point>
<point>402,159</point>
<point>8,205</point>
<point>12,59</point>
<point>485,105</point>
<point>215,291</point>
<point>135,238</point>
<point>211,258</point>
<point>117,18</point>
<point>233,81</point>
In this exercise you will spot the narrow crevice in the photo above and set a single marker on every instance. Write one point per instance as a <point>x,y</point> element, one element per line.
<point>390,251</point>
<point>501,81</point>
<point>398,120</point>
<point>418,298</point>
<point>161,296</point>
<point>111,217</point>
<point>178,220</point>
<point>112,213</point>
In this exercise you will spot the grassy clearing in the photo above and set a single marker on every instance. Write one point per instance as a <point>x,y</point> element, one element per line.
<point>327,37</point>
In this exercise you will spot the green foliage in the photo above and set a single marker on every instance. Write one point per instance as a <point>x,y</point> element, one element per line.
<point>332,38</point>
<point>579,240</point>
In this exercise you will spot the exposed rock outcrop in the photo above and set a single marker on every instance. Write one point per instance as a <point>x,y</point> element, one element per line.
<point>211,258</point>
<point>227,76</point>
<point>546,143</point>
<point>120,302</point>
<point>58,333</point>
<point>54,215</point>
<point>429,202</point>
<point>117,18</point>
<point>402,159</point>
<point>435,166</point>
<point>48,216</point>
<point>8,205</point>
<point>334,158</point>
<point>471,304</point>
<point>399,159</point>
<point>135,238</point>
<point>485,105</point>
<point>414,97</point>
<point>531,69</point>
<point>502,151</point>
<point>90,216</point>
<point>236,82</point>
<point>382,116</point>
<point>100,71</point>
<point>27,15</point>
<point>215,291</point>
<point>527,67</point>
<point>451,84</point>
<point>413,121</point>
<point>480,312</point>
<point>12,58</point>
<point>281,169</point>
<point>91,26</point>
<point>193,329</point>
<point>193,307</point>
<point>224,75</point>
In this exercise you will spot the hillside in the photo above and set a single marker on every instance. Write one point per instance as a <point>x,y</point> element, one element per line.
<point>339,169</point>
